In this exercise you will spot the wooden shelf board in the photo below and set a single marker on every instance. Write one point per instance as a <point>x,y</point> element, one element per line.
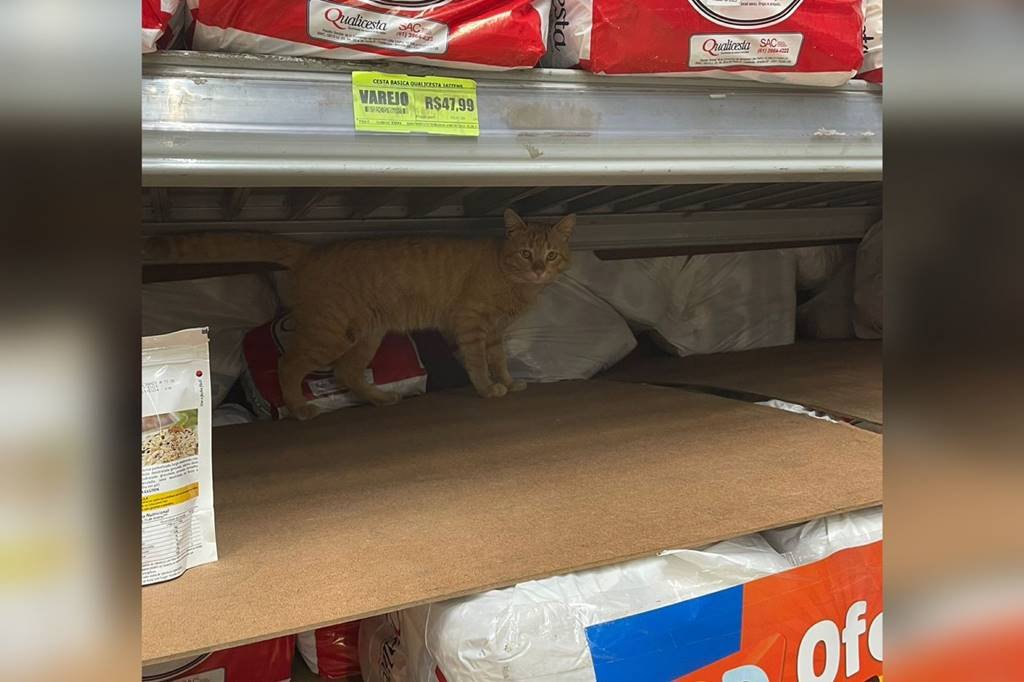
<point>368,510</point>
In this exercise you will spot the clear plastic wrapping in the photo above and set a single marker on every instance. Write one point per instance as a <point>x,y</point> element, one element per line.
<point>730,302</point>
<point>639,289</point>
<point>228,306</point>
<point>569,333</point>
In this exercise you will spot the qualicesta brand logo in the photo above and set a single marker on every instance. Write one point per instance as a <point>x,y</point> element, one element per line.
<point>716,47</point>
<point>354,23</point>
<point>747,13</point>
<point>745,49</point>
<point>340,19</point>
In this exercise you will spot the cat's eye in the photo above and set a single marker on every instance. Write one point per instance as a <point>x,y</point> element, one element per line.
<point>525,253</point>
<point>552,255</point>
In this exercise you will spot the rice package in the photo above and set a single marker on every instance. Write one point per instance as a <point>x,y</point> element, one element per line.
<point>177,468</point>
<point>332,652</point>
<point>266,661</point>
<point>806,42</point>
<point>162,22</point>
<point>468,34</point>
<point>396,367</point>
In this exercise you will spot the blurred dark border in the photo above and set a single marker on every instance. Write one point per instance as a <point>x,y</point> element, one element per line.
<point>954,296</point>
<point>70,266</point>
<point>954,90</point>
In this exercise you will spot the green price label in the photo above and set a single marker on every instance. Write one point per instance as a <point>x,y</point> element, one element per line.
<point>392,103</point>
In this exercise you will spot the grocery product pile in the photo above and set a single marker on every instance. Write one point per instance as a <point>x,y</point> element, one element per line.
<point>803,42</point>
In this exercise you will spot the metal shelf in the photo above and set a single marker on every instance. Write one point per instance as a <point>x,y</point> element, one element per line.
<point>219,120</point>
<point>733,216</point>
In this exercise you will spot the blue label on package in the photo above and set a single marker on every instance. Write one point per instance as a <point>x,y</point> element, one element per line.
<point>667,643</point>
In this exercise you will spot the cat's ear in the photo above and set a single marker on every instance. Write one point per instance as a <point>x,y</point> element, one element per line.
<point>513,223</point>
<point>564,227</point>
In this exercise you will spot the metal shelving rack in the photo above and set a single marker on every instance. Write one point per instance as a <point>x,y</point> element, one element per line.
<point>268,143</point>
<point>217,120</point>
<point>238,142</point>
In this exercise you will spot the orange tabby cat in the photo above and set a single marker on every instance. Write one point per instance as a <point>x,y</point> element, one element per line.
<point>349,294</point>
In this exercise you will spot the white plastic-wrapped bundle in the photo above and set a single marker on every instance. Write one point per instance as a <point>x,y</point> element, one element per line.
<point>867,288</point>
<point>828,314</point>
<point>392,648</point>
<point>569,333</point>
<point>639,289</point>
<point>828,272</point>
<point>730,302</point>
<point>229,306</point>
<point>807,542</point>
<point>538,630</point>
<point>816,265</point>
<point>648,619</point>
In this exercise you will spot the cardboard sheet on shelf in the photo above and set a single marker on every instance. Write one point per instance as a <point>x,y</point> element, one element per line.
<point>838,377</point>
<point>366,510</point>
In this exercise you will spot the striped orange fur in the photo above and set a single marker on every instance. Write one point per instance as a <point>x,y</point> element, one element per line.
<point>349,294</point>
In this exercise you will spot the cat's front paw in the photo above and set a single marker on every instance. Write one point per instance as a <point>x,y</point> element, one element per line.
<point>385,398</point>
<point>493,391</point>
<point>516,386</point>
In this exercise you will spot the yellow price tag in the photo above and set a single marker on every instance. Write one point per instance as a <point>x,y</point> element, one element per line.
<point>392,103</point>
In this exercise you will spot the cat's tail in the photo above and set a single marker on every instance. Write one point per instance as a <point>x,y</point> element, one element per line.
<point>223,248</point>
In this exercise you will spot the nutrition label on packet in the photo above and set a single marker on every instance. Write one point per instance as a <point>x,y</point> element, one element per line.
<point>393,103</point>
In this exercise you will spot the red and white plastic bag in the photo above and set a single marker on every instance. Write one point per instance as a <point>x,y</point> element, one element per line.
<point>267,661</point>
<point>470,34</point>
<point>804,42</point>
<point>332,652</point>
<point>871,70</point>
<point>162,22</point>
<point>396,367</point>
